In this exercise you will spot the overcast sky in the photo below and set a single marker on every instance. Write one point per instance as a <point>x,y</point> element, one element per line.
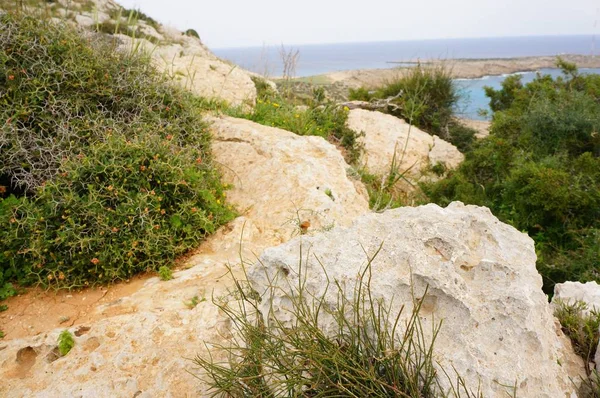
<point>241,23</point>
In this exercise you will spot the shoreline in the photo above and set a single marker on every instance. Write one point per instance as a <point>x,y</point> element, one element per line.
<point>461,69</point>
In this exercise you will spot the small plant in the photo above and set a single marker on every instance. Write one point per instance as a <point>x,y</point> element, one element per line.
<point>65,342</point>
<point>330,194</point>
<point>165,273</point>
<point>3,308</point>
<point>194,301</point>
<point>2,334</point>
<point>192,33</point>
<point>581,325</point>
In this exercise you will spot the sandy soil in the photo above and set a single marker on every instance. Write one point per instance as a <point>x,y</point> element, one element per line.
<point>461,68</point>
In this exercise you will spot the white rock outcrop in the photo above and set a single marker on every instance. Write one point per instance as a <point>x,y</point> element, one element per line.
<point>498,328</point>
<point>386,136</point>
<point>281,180</point>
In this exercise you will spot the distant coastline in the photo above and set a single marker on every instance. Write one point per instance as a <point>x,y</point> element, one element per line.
<point>461,69</point>
<point>318,59</point>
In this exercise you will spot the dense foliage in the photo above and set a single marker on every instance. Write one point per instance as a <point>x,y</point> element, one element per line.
<point>540,170</point>
<point>106,169</point>
<point>425,97</point>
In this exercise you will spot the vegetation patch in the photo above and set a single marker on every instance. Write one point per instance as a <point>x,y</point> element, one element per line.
<point>425,96</point>
<point>316,116</point>
<point>581,324</point>
<point>66,342</point>
<point>106,166</point>
<point>539,170</point>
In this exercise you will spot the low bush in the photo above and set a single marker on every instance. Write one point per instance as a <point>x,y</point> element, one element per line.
<point>425,96</point>
<point>106,166</point>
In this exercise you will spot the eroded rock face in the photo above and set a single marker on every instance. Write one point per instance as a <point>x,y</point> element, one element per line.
<point>281,180</point>
<point>386,135</point>
<point>498,328</point>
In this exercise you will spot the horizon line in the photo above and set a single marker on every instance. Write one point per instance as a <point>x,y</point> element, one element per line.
<point>591,35</point>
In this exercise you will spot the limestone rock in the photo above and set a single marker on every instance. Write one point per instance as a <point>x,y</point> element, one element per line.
<point>281,180</point>
<point>571,292</point>
<point>386,136</point>
<point>498,328</point>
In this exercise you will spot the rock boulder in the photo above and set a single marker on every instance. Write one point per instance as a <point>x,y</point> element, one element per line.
<point>386,136</point>
<point>498,328</point>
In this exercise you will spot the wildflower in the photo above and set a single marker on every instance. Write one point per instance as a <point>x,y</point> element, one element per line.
<point>11,77</point>
<point>61,276</point>
<point>152,192</point>
<point>157,227</point>
<point>50,277</point>
<point>115,229</point>
<point>167,108</point>
<point>276,105</point>
<point>162,211</point>
<point>194,210</point>
<point>169,137</point>
<point>142,168</point>
<point>2,189</point>
<point>199,160</point>
<point>296,116</point>
<point>110,188</point>
<point>95,261</point>
<point>346,109</point>
<point>12,220</point>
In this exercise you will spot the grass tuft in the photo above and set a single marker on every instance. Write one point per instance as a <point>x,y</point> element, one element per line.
<point>369,351</point>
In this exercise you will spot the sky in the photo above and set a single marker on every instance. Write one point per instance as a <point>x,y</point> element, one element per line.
<point>245,23</point>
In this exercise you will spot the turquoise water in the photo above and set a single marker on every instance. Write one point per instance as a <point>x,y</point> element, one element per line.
<point>473,95</point>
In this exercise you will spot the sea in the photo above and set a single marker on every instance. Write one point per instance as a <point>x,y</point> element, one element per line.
<point>324,58</point>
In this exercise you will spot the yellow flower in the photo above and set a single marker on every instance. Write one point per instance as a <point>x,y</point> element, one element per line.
<point>275,104</point>
<point>346,108</point>
<point>296,116</point>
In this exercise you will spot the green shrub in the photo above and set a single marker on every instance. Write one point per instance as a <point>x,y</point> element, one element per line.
<point>65,342</point>
<point>125,207</point>
<point>360,94</point>
<point>192,33</point>
<point>165,273</point>
<point>425,96</point>
<point>107,165</point>
<point>539,170</point>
